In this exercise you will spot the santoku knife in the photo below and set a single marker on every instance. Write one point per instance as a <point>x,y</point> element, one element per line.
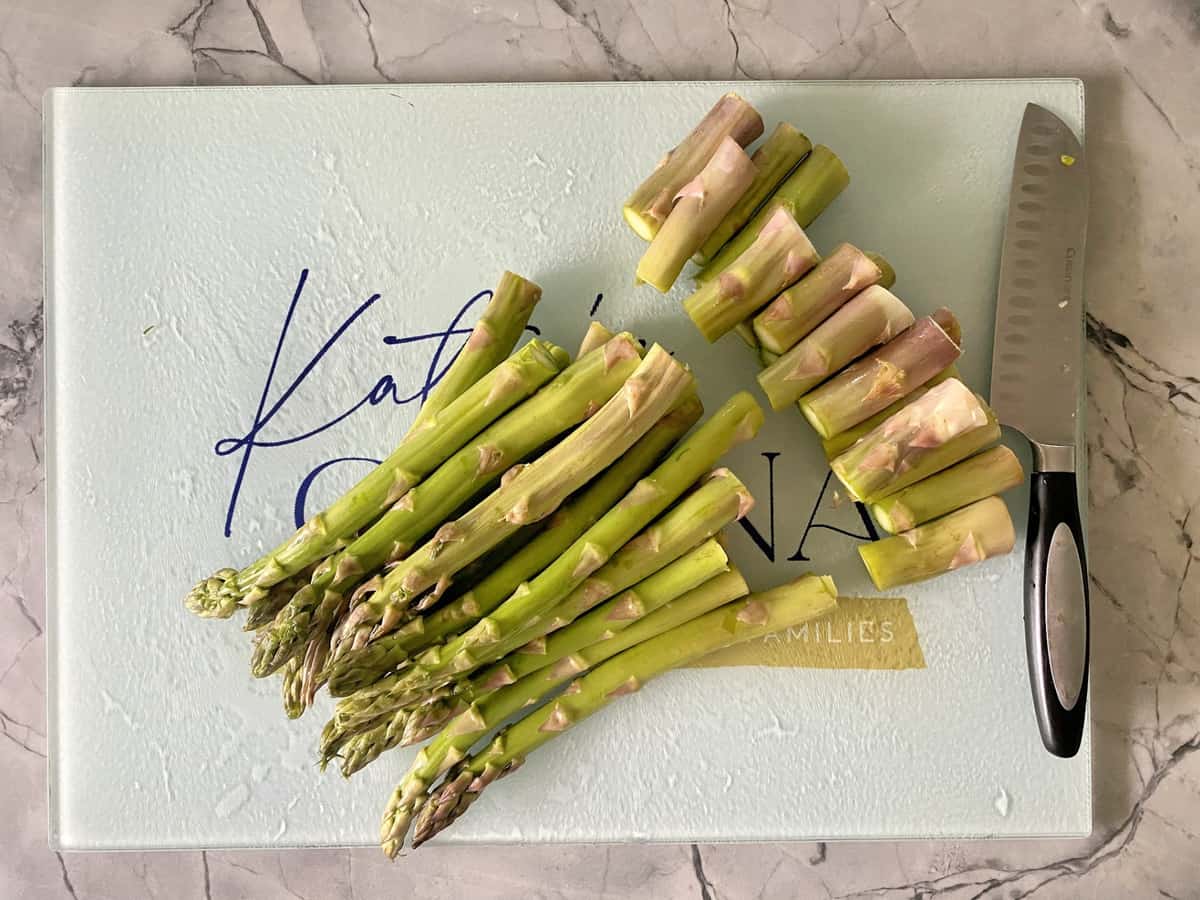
<point>1037,375</point>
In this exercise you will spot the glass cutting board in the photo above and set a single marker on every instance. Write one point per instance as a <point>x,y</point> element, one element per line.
<point>197,400</point>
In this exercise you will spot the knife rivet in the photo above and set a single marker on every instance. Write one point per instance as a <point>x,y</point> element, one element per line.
<point>1067,160</point>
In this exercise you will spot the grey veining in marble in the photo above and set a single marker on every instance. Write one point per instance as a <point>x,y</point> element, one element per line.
<point>1139,60</point>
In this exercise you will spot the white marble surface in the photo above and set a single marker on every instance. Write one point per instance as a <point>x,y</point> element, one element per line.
<point>1139,60</point>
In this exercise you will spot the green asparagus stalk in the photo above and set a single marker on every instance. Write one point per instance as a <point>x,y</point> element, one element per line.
<point>991,472</point>
<point>468,405</point>
<point>699,207</point>
<point>946,425</point>
<point>742,620</point>
<point>869,319</point>
<point>779,255</point>
<point>543,606</point>
<point>537,491</point>
<point>818,295</point>
<point>805,194</point>
<point>597,336</point>
<point>560,405</point>
<point>837,444</point>
<point>268,601</point>
<point>359,668</point>
<point>456,739</point>
<point>648,206</point>
<point>561,650</point>
<point>491,340</point>
<point>890,373</point>
<point>778,155</point>
<point>972,534</point>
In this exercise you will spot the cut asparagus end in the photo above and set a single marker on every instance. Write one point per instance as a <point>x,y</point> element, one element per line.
<point>805,194</point>
<point>890,373</point>
<point>699,206</point>
<point>597,335</point>
<point>888,276</point>
<point>972,534</point>
<point>841,442</point>
<point>991,472</point>
<point>870,318</point>
<point>779,154</point>
<point>648,206</point>
<point>944,426</point>
<point>779,255</point>
<point>814,298</point>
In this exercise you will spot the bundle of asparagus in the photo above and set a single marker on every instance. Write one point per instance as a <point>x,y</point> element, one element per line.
<point>867,375</point>
<point>542,518</point>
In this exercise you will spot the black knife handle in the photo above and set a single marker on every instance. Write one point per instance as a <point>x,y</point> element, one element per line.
<point>1057,611</point>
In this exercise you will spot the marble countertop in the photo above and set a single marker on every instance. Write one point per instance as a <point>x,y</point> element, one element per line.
<point>1138,60</point>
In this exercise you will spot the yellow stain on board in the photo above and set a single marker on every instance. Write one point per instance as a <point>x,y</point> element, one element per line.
<point>862,633</point>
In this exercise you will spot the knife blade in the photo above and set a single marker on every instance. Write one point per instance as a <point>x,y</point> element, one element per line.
<point>1037,376</point>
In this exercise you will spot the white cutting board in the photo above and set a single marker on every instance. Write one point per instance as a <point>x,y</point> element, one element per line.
<point>178,223</point>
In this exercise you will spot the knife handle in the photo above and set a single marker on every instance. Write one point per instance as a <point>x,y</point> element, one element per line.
<point>1057,611</point>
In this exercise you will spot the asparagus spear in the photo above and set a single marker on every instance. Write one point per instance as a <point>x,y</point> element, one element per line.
<point>779,254</point>
<point>648,206</point>
<point>537,491</point>
<point>553,647</point>
<point>455,740</point>
<point>818,295</point>
<point>755,616</point>
<point>978,532</point>
<point>699,207</point>
<point>991,472</point>
<point>840,442</point>
<point>264,603</point>
<point>778,155</point>
<point>561,650</point>
<point>869,319</point>
<point>422,451</point>
<point>530,614</point>
<point>560,405</point>
<point>597,336</point>
<point>490,341</point>
<point>890,373</point>
<point>946,425</point>
<point>805,194</point>
<point>359,668</point>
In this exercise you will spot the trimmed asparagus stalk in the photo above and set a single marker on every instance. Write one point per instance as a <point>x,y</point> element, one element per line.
<point>419,454</point>
<point>494,336</point>
<point>972,534</point>
<point>560,405</point>
<point>543,607</point>
<point>869,319</point>
<point>491,340</point>
<point>779,255</point>
<point>597,336</point>
<point>359,668</point>
<point>946,425</point>
<point>456,739</point>
<point>818,295</point>
<point>991,472</point>
<point>754,617</point>
<point>689,571</point>
<point>805,194</point>
<point>649,205</point>
<point>841,442</point>
<point>537,491</point>
<point>699,207</point>
<point>778,155</point>
<point>890,373</point>
<point>584,642</point>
